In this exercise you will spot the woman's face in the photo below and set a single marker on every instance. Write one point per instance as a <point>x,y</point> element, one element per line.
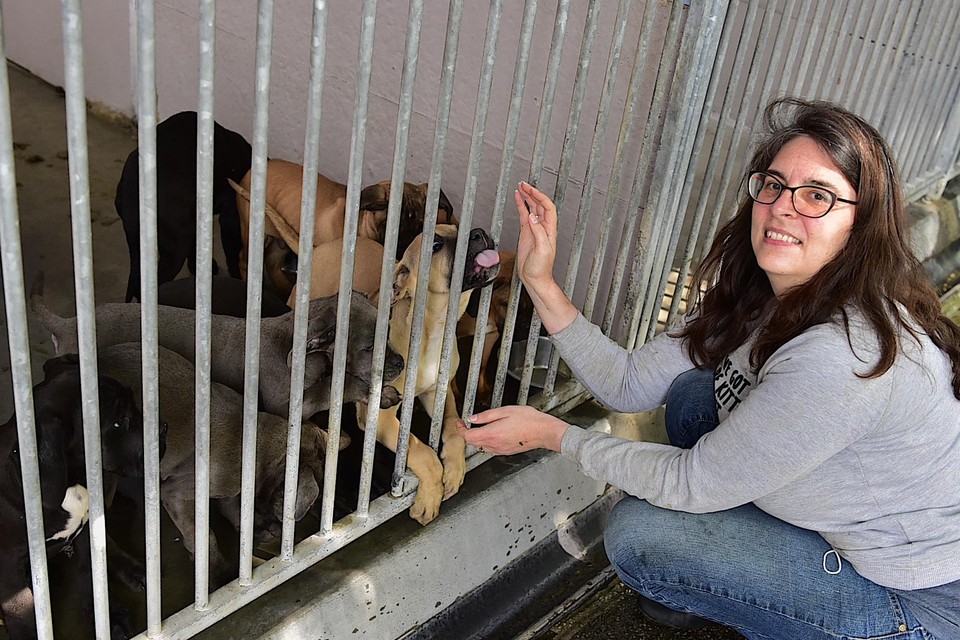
<point>789,247</point>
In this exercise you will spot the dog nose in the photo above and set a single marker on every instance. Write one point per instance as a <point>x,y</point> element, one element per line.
<point>479,235</point>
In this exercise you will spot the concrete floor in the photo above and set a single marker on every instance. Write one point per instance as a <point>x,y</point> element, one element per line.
<point>43,198</point>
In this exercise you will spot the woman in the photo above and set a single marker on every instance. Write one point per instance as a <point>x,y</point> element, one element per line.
<point>813,405</point>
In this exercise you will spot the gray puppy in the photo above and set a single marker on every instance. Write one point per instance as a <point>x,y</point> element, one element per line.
<point>120,322</point>
<point>177,470</point>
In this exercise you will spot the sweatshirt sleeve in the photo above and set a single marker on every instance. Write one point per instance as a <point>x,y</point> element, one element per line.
<point>808,404</point>
<point>624,381</point>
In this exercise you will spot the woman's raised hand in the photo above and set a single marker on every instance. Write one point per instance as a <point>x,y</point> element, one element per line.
<point>537,247</point>
<point>536,253</point>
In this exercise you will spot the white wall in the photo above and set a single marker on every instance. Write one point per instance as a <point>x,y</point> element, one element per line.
<point>33,38</point>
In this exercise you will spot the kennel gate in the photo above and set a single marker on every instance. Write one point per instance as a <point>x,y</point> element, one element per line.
<point>700,73</point>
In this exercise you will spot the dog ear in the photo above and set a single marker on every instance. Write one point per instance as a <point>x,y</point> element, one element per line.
<point>307,493</point>
<point>376,197</point>
<point>401,283</point>
<point>61,364</point>
<point>444,205</point>
<point>323,441</point>
<point>322,341</point>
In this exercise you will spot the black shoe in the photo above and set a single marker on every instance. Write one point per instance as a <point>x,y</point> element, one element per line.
<point>667,617</point>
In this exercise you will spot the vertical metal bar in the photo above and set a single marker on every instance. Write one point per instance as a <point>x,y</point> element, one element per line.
<point>829,49</point>
<point>586,193</point>
<point>14,294</point>
<point>404,113</point>
<point>931,115</point>
<point>308,213</point>
<point>696,57</point>
<point>653,130</point>
<point>204,298</point>
<point>477,140</point>
<point>83,281</point>
<point>948,143</point>
<point>563,177</point>
<point>836,87</point>
<point>627,125</point>
<point>921,78</point>
<point>450,50</point>
<point>897,130</point>
<point>258,184</point>
<point>643,178</point>
<point>364,70</point>
<point>838,54</point>
<point>640,300</point>
<point>766,91</point>
<point>712,162</point>
<point>539,150</point>
<point>147,144</point>
<point>791,69</point>
<point>134,58</point>
<point>893,85</point>
<point>506,164</point>
<point>865,87</point>
<point>765,94</point>
<point>828,46</point>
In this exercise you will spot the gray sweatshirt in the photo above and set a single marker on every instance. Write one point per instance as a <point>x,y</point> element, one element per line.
<point>872,464</point>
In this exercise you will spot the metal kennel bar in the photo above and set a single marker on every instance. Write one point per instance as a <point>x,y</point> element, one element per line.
<point>86,329</point>
<point>311,156</point>
<point>258,184</point>
<point>14,293</point>
<point>364,67</point>
<point>204,299</point>
<point>563,174</point>
<point>150,400</point>
<point>470,190</point>
<point>401,144</point>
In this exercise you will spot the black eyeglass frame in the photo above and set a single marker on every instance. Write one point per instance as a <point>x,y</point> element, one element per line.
<point>793,191</point>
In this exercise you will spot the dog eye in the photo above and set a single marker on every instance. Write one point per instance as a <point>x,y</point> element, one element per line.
<point>116,425</point>
<point>437,246</point>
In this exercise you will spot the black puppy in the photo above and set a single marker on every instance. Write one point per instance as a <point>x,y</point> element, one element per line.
<point>177,197</point>
<point>229,297</point>
<point>57,407</point>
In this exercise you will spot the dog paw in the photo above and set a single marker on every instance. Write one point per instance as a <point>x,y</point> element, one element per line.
<point>389,397</point>
<point>426,506</point>
<point>454,470</point>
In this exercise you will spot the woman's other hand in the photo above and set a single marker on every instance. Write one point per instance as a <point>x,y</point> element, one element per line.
<point>513,429</point>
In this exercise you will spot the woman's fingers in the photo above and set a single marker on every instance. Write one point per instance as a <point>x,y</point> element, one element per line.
<point>512,429</point>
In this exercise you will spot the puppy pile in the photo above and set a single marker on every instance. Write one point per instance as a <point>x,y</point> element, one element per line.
<point>57,398</point>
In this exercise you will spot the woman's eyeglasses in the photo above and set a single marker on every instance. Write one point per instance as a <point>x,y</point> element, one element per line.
<point>809,201</point>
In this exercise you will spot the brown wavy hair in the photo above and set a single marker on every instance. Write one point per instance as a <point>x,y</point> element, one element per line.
<point>876,272</point>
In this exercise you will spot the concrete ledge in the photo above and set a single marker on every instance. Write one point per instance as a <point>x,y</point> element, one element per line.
<point>398,576</point>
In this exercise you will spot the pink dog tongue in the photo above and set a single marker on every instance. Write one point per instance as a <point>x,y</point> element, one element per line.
<point>488,258</point>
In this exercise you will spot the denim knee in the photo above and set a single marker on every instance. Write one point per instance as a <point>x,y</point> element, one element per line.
<point>691,408</point>
<point>638,541</point>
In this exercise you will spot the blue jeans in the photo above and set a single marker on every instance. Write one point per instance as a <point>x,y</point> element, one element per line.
<point>742,567</point>
<point>691,409</point>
